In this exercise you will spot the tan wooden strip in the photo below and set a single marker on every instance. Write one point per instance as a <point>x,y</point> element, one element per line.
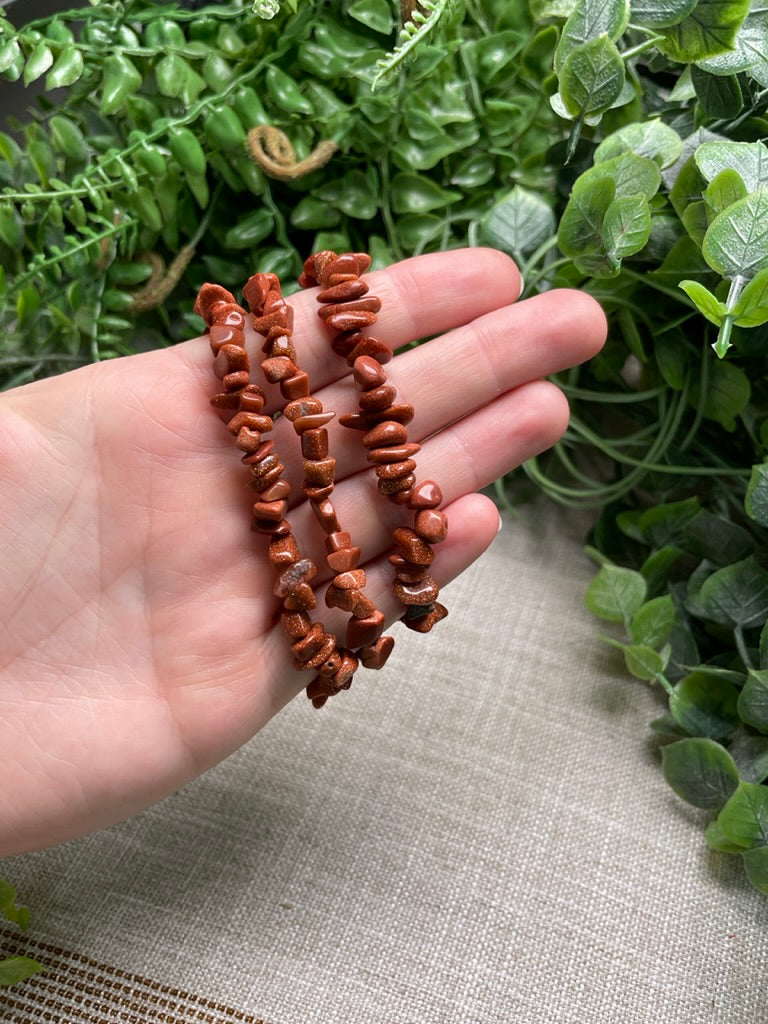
<point>76,989</point>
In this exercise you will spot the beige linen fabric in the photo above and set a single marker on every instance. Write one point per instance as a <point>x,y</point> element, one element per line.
<point>479,834</point>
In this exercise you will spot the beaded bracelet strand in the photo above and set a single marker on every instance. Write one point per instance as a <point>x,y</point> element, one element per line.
<point>313,648</point>
<point>347,309</point>
<point>272,318</point>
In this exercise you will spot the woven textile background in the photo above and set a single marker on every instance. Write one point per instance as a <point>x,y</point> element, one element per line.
<point>481,835</point>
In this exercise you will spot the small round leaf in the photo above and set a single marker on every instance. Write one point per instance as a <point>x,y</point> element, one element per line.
<point>705,706</point>
<point>753,700</point>
<point>627,225</point>
<point>700,771</point>
<point>743,821</point>
<point>615,593</point>
<point>592,77</point>
<point>736,242</point>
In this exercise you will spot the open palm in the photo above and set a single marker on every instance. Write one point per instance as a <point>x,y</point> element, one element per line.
<point>140,635</point>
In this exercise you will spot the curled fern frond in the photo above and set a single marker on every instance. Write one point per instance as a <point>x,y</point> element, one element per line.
<point>421,23</point>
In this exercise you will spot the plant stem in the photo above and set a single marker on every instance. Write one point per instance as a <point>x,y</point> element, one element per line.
<point>741,647</point>
<point>665,683</point>
<point>635,51</point>
<point>703,389</point>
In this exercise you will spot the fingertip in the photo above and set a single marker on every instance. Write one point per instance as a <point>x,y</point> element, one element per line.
<point>498,267</point>
<point>590,314</point>
<point>474,524</point>
<point>541,418</point>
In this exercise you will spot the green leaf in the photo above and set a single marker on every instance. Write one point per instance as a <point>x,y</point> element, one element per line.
<point>286,92</point>
<point>311,214</point>
<point>736,242</point>
<point>17,968</point>
<point>667,524</point>
<point>672,360</point>
<point>374,14</point>
<point>11,227</point>
<point>756,867</point>
<point>749,52</point>
<point>627,226</point>
<point>716,538</point>
<point>581,225</point>
<point>644,662</point>
<point>744,819</point>
<point>143,204</point>
<point>9,908</point>
<point>652,623</point>
<point>249,230</point>
<point>709,29</point>
<point>750,753</point>
<point>700,771</point>
<point>652,139</point>
<point>38,62</point>
<point>661,13</point>
<point>753,700</point>
<point>415,193</point>
<point>748,159</point>
<point>656,569</point>
<point>419,230</point>
<point>736,595</point>
<point>67,69</point>
<point>725,189</point>
<point>543,10</point>
<point>422,156</point>
<point>27,304</point>
<point>177,79</point>
<point>756,498</point>
<point>589,20</point>
<point>67,138</point>
<point>704,706</point>
<point>519,222</point>
<point>615,593</point>
<point>356,194</point>
<point>727,394</point>
<point>473,170</point>
<point>706,303</point>
<point>224,130</point>
<point>719,95</point>
<point>630,174</point>
<point>717,840</point>
<point>592,77</point>
<point>187,150</point>
<point>121,80</point>
<point>10,56</point>
<point>751,309</point>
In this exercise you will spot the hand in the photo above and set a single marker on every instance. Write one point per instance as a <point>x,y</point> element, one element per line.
<point>140,637</point>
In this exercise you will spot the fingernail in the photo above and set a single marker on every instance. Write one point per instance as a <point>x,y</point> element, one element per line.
<point>522,286</point>
<point>501,524</point>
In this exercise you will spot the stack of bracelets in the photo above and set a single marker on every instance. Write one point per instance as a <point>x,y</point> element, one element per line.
<point>346,309</point>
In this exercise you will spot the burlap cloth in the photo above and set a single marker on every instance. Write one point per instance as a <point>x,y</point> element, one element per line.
<point>480,834</point>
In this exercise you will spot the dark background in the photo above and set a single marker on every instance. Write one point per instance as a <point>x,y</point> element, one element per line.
<point>15,97</point>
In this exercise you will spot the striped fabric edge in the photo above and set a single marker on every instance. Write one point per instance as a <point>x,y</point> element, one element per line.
<point>75,989</point>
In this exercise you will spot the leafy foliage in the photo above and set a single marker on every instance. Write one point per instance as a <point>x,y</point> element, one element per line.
<point>613,147</point>
<point>15,968</point>
<point>665,223</point>
<point>141,150</point>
